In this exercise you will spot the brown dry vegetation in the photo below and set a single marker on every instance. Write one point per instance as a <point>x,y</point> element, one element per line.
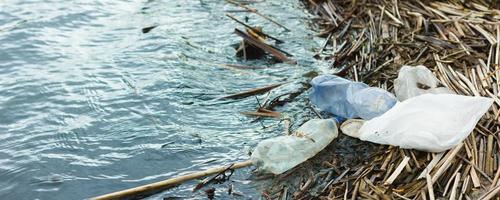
<point>369,41</point>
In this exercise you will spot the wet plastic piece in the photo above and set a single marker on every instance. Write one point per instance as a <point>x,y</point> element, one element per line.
<point>372,102</point>
<point>279,154</point>
<point>349,99</point>
<point>351,127</point>
<point>429,122</point>
<point>418,80</point>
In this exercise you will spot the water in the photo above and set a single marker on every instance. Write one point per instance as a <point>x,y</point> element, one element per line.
<point>89,104</point>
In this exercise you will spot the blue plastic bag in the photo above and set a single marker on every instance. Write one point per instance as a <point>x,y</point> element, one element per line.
<point>349,99</point>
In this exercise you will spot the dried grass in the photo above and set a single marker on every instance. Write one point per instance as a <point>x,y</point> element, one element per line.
<point>369,41</point>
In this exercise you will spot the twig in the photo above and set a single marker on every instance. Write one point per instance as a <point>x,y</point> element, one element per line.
<point>253,92</point>
<point>161,185</point>
<point>253,10</point>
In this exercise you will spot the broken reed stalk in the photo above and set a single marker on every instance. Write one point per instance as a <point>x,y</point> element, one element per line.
<point>253,10</point>
<point>149,189</point>
<point>277,53</point>
<point>242,66</point>
<point>253,92</point>
<point>263,113</point>
<point>253,28</point>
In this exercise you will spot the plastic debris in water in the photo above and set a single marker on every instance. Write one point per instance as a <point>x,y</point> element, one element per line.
<point>279,154</point>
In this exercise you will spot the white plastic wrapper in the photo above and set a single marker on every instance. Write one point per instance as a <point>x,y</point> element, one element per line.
<point>429,122</point>
<point>279,154</point>
<point>418,80</point>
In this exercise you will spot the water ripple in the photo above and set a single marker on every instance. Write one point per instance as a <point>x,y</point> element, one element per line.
<point>89,104</point>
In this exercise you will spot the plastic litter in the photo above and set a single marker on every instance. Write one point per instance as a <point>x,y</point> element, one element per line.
<point>418,80</point>
<point>372,102</point>
<point>351,127</point>
<point>429,122</point>
<point>279,154</point>
<point>349,99</point>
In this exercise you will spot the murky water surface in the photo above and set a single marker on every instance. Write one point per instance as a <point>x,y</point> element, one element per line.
<point>89,104</point>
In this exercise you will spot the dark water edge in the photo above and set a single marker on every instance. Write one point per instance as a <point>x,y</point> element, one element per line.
<point>89,104</point>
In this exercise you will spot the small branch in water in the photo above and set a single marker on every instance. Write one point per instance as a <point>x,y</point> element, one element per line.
<point>148,29</point>
<point>254,29</point>
<point>242,66</point>
<point>253,10</point>
<point>263,113</point>
<point>218,178</point>
<point>267,48</point>
<point>162,185</point>
<point>253,92</point>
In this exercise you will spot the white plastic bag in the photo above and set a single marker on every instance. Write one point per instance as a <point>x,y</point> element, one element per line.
<point>414,81</point>
<point>429,122</point>
<point>279,154</point>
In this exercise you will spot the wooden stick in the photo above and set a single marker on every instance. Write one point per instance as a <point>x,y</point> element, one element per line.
<point>492,193</point>
<point>429,187</point>
<point>253,10</point>
<point>400,196</point>
<point>355,191</point>
<point>489,156</point>
<point>254,29</point>
<point>495,179</point>
<point>475,179</point>
<point>253,92</point>
<point>431,165</point>
<point>454,188</point>
<point>263,114</point>
<point>267,48</point>
<point>398,170</point>
<point>158,186</point>
<point>449,181</point>
<point>447,162</point>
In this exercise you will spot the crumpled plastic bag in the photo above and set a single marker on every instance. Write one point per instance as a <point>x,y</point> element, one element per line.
<point>372,102</point>
<point>349,99</point>
<point>279,154</point>
<point>418,80</point>
<point>429,122</point>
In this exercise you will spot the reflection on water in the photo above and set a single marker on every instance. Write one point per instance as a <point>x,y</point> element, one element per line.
<point>89,104</point>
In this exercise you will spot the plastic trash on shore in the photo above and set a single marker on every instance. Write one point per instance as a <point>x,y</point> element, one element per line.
<point>279,154</point>
<point>418,80</point>
<point>372,102</point>
<point>351,127</point>
<point>349,99</point>
<point>429,122</point>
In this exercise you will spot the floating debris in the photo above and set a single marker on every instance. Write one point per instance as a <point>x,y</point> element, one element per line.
<point>257,42</point>
<point>243,66</point>
<point>148,29</point>
<point>253,92</point>
<point>256,30</point>
<point>219,178</point>
<point>262,112</point>
<point>210,192</point>
<point>253,10</point>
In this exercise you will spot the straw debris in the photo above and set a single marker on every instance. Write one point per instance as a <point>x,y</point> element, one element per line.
<point>369,41</point>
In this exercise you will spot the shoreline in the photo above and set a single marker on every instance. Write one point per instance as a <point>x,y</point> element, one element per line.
<point>369,42</point>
